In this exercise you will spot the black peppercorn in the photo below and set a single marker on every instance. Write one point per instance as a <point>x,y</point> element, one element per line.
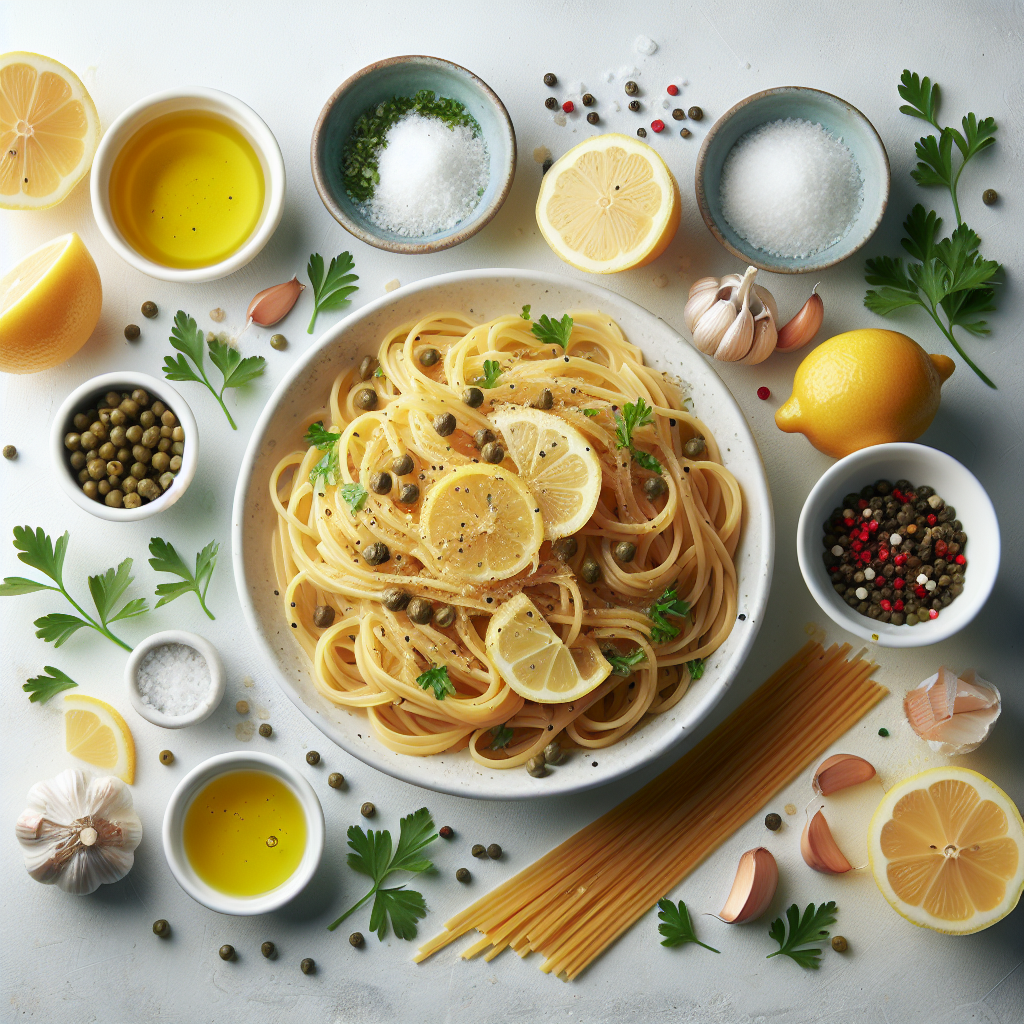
<point>642,133</point>
<point>546,166</point>
<point>679,114</point>
<point>592,117</point>
<point>551,103</point>
<point>773,821</point>
<point>685,133</point>
<point>550,80</point>
<point>695,114</point>
<point>634,105</point>
<point>588,99</point>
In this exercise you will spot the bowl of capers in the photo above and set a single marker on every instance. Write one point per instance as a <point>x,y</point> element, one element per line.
<point>125,446</point>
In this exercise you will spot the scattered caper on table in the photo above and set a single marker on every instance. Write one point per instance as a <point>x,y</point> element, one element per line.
<point>494,851</point>
<point>166,757</point>
<point>463,875</point>
<point>839,943</point>
<point>226,952</point>
<point>278,342</point>
<point>132,332</point>
<point>308,965</point>
<point>10,452</point>
<point>356,939</point>
<point>367,810</point>
<point>313,757</point>
<point>989,196</point>
<point>479,850</point>
<point>268,949</point>
<point>161,928</point>
<point>335,780</point>
<point>266,730</point>
<point>149,310</point>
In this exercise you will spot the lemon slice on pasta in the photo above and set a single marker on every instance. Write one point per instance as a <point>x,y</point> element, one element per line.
<point>481,523</point>
<point>531,658</point>
<point>557,463</point>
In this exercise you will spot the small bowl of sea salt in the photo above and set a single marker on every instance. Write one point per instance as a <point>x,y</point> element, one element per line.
<point>175,678</point>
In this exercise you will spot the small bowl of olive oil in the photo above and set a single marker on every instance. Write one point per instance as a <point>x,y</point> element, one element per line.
<point>188,186</point>
<point>243,833</point>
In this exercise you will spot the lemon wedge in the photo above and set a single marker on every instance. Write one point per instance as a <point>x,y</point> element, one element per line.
<point>531,658</point>
<point>96,733</point>
<point>49,131</point>
<point>556,462</point>
<point>481,523</point>
<point>946,848</point>
<point>609,204</point>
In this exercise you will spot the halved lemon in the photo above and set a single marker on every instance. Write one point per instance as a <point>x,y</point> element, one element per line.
<point>49,131</point>
<point>609,204</point>
<point>556,462</point>
<point>95,732</point>
<point>531,658</point>
<point>49,306</point>
<point>946,848</point>
<point>481,523</point>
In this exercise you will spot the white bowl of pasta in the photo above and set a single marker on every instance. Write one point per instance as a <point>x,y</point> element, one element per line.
<point>629,578</point>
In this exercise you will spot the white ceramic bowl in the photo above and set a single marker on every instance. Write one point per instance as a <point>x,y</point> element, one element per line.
<point>174,820</point>
<point>246,120</point>
<point>85,396</point>
<point>486,294</point>
<point>922,466</point>
<point>204,708</point>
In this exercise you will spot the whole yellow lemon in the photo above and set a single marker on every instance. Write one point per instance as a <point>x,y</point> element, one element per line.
<point>862,388</point>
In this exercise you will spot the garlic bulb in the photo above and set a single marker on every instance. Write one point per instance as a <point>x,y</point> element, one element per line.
<point>78,832</point>
<point>732,318</point>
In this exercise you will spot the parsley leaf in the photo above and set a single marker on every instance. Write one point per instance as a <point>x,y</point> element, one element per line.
<point>166,559</point>
<point>379,373</point>
<point>553,332</point>
<point>372,855</point>
<point>676,926</point>
<point>668,604</point>
<point>502,734</point>
<point>803,930</point>
<point>330,290</point>
<point>42,688</point>
<point>437,677</point>
<point>354,495</point>
<point>623,664</point>
<point>634,415</point>
<point>328,468</point>
<point>525,314</point>
<point>492,371</point>
<point>188,339</point>
<point>317,437</point>
<point>591,412</point>
<point>696,668</point>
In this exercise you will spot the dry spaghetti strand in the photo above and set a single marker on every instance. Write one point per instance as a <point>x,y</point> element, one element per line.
<point>576,900</point>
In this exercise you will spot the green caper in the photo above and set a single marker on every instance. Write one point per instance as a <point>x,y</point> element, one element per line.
<point>266,730</point>
<point>356,939</point>
<point>278,342</point>
<point>590,570</point>
<point>420,611</point>
<point>694,448</point>
<point>81,421</point>
<point>395,599</point>
<point>553,753</point>
<point>148,488</point>
<point>132,500</point>
<point>380,483</point>
<point>226,952</point>
<point>114,498</point>
<point>367,810</point>
<point>444,423</point>
<point>78,459</point>
<point>118,436</point>
<point>444,616</point>
<point>463,875</point>
<point>313,757</point>
<point>479,850</point>
<point>141,453</point>
<point>168,419</point>
<point>403,465</point>
<point>429,356</point>
<point>133,434</point>
<point>97,469</point>
<point>177,448</point>
<point>130,408</point>
<point>268,949</point>
<point>166,479</point>
<point>695,114</point>
<point>90,489</point>
<point>151,437</point>
<point>323,616</point>
<point>494,851</point>
<point>544,400</point>
<point>72,442</point>
<point>367,366</point>
<point>377,553</point>
<point>149,310</point>
<point>132,332</point>
<point>177,433</point>
<point>161,928</point>
<point>107,451</point>
<point>124,455</point>
<point>492,452</point>
<point>473,397</point>
<point>366,399</point>
<point>408,494</point>
<point>624,551</point>
<point>536,767</point>
<point>138,470</point>
<point>141,396</point>
<point>161,462</point>
<point>158,408</point>
<point>335,780</point>
<point>146,419</point>
<point>839,943</point>
<point>166,757</point>
<point>564,548</point>
<point>87,441</point>
<point>484,436</point>
<point>655,487</point>
<point>83,474</point>
<point>110,400</point>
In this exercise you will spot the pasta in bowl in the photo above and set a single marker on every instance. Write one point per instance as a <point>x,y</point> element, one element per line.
<point>487,530</point>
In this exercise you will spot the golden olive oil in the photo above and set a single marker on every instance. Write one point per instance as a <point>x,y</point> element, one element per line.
<point>187,190</point>
<point>245,833</point>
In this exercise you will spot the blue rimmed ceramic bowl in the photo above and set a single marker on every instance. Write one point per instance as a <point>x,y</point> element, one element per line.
<point>405,76</point>
<point>844,121</point>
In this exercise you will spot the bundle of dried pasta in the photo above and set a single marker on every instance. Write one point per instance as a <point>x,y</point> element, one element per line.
<point>574,902</point>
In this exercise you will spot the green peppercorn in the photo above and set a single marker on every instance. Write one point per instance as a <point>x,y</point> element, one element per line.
<point>313,757</point>
<point>494,851</point>
<point>161,928</point>
<point>592,117</point>
<point>445,423</point>
<point>989,196</point>
<point>483,437</point>
<point>356,939</point>
<point>634,105</point>
<point>695,114</point>
<point>444,616</point>
<point>473,397</point>
<point>268,949</point>
<point>685,133</point>
<point>632,88</point>
<point>463,875</point>
<point>149,310</point>
<point>590,570</point>
<point>266,730</point>
<point>694,448</point>
<point>773,822</point>
<point>839,943</point>
<point>366,399</point>
<point>550,80</point>
<point>624,551</point>
<point>225,952</point>
<point>403,465</point>
<point>335,780</point>
<point>479,850</point>
<point>420,611</point>
<point>308,965</point>
<point>679,114</point>
<point>655,487</point>
<point>588,100</point>
<point>10,452</point>
<point>429,356</point>
<point>132,332</point>
<point>551,103</point>
<point>492,452</point>
<point>564,548</point>
<point>377,553</point>
<point>395,599</point>
<point>367,366</point>
<point>278,342</point>
<point>380,483</point>
<point>367,810</point>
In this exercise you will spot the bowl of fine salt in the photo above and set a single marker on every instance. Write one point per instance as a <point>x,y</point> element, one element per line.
<point>792,180</point>
<point>175,678</point>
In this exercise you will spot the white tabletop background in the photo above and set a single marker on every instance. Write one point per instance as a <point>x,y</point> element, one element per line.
<point>95,958</point>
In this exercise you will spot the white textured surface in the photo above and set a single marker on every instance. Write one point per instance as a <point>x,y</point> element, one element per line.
<point>95,958</point>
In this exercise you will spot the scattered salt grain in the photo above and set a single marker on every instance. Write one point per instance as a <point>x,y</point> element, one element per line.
<point>431,177</point>
<point>609,76</point>
<point>645,45</point>
<point>173,679</point>
<point>616,106</point>
<point>627,71</point>
<point>559,119</point>
<point>791,188</point>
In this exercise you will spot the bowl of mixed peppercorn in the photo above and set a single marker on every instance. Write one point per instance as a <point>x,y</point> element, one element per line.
<point>899,544</point>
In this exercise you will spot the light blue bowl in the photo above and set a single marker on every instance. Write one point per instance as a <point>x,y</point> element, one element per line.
<point>405,76</point>
<point>839,117</point>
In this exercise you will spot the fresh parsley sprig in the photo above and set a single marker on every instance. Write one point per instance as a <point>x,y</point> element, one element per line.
<point>950,274</point>
<point>696,668</point>
<point>812,927</point>
<point>43,687</point>
<point>662,631</point>
<point>436,678</point>
<point>492,371</point>
<point>553,332</point>
<point>676,927</point>
<point>502,735</point>
<point>166,559</point>
<point>188,339</point>
<point>330,290</point>
<point>354,495</point>
<point>634,415</point>
<point>525,314</point>
<point>372,856</point>
<point>623,664</point>
<point>327,469</point>
<point>37,550</point>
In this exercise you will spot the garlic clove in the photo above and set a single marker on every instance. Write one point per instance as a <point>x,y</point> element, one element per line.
<point>736,341</point>
<point>762,344</point>
<point>954,715</point>
<point>709,329</point>
<point>769,300</point>
<point>273,303</point>
<point>840,771</point>
<point>757,878</point>
<point>804,326</point>
<point>819,850</point>
<point>699,302</point>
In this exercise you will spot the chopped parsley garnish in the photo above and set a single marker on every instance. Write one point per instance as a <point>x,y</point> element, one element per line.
<point>635,414</point>
<point>437,677</point>
<point>803,930</point>
<point>379,373</point>
<point>676,927</point>
<point>354,495</point>
<point>492,371</point>
<point>327,469</point>
<point>591,412</point>
<point>318,437</point>
<point>668,604</point>
<point>622,664</point>
<point>696,668</point>
<point>525,313</point>
<point>502,734</point>
<point>553,332</point>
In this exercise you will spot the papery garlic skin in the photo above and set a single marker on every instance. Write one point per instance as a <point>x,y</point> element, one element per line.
<point>732,318</point>
<point>78,832</point>
<point>953,714</point>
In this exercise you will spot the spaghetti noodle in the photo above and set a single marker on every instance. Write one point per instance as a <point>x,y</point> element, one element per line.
<point>371,657</point>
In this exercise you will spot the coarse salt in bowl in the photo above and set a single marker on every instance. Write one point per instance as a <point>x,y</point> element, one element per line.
<point>175,678</point>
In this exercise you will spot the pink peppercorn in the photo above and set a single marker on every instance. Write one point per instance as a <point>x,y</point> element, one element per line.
<point>673,90</point>
<point>898,606</point>
<point>900,560</point>
<point>568,106</point>
<point>885,604</point>
<point>658,125</point>
<point>898,582</point>
<point>932,614</point>
<point>920,591</point>
<point>960,560</point>
<point>862,504</point>
<point>764,394</point>
<point>932,519</point>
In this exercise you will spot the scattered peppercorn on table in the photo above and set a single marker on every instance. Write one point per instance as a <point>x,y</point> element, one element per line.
<point>141,949</point>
